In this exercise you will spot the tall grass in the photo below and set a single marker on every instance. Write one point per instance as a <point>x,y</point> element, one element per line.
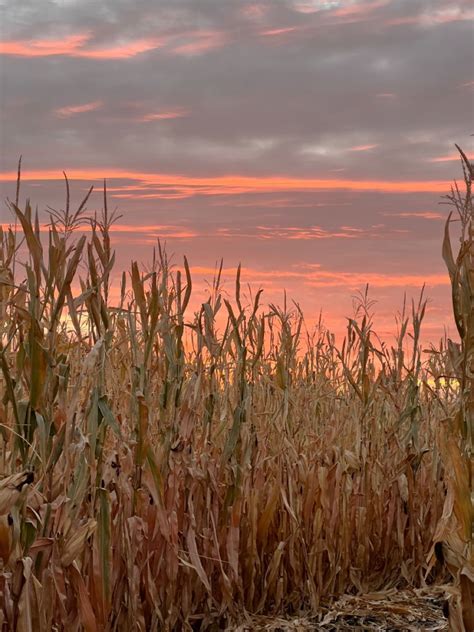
<point>166,472</point>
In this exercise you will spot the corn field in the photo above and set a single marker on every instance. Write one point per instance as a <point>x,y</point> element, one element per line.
<point>170,469</point>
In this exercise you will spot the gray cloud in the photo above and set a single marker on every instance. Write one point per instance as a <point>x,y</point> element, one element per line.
<point>258,88</point>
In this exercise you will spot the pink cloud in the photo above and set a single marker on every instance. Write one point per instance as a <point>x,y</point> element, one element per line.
<point>420,214</point>
<point>362,147</point>
<point>163,116</point>
<point>43,48</point>
<point>167,231</point>
<point>74,46</point>
<point>232,184</point>
<point>79,45</point>
<point>452,157</point>
<point>282,31</point>
<point>273,203</point>
<point>360,279</point>
<point>71,110</point>
<point>315,276</point>
<point>301,233</point>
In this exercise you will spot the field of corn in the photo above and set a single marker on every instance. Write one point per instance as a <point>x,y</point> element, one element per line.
<point>168,470</point>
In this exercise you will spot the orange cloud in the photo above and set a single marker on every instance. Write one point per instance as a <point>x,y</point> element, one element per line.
<point>421,214</point>
<point>273,202</point>
<point>314,276</point>
<point>152,238</point>
<point>44,48</point>
<point>162,195</point>
<point>74,46</point>
<point>168,230</point>
<point>70,110</point>
<point>249,274</point>
<point>232,184</point>
<point>153,230</point>
<point>287,233</point>
<point>356,279</point>
<point>163,116</point>
<point>362,147</point>
<point>451,157</point>
<point>304,233</point>
<point>310,275</point>
<point>283,31</point>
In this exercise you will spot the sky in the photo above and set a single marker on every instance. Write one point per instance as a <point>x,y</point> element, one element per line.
<point>309,140</point>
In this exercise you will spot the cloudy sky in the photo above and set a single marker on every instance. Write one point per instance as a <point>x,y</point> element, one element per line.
<point>309,140</point>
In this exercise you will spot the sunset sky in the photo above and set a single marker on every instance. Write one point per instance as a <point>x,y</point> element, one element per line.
<point>309,140</point>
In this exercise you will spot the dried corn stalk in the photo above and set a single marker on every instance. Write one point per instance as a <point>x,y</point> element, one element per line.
<point>456,547</point>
